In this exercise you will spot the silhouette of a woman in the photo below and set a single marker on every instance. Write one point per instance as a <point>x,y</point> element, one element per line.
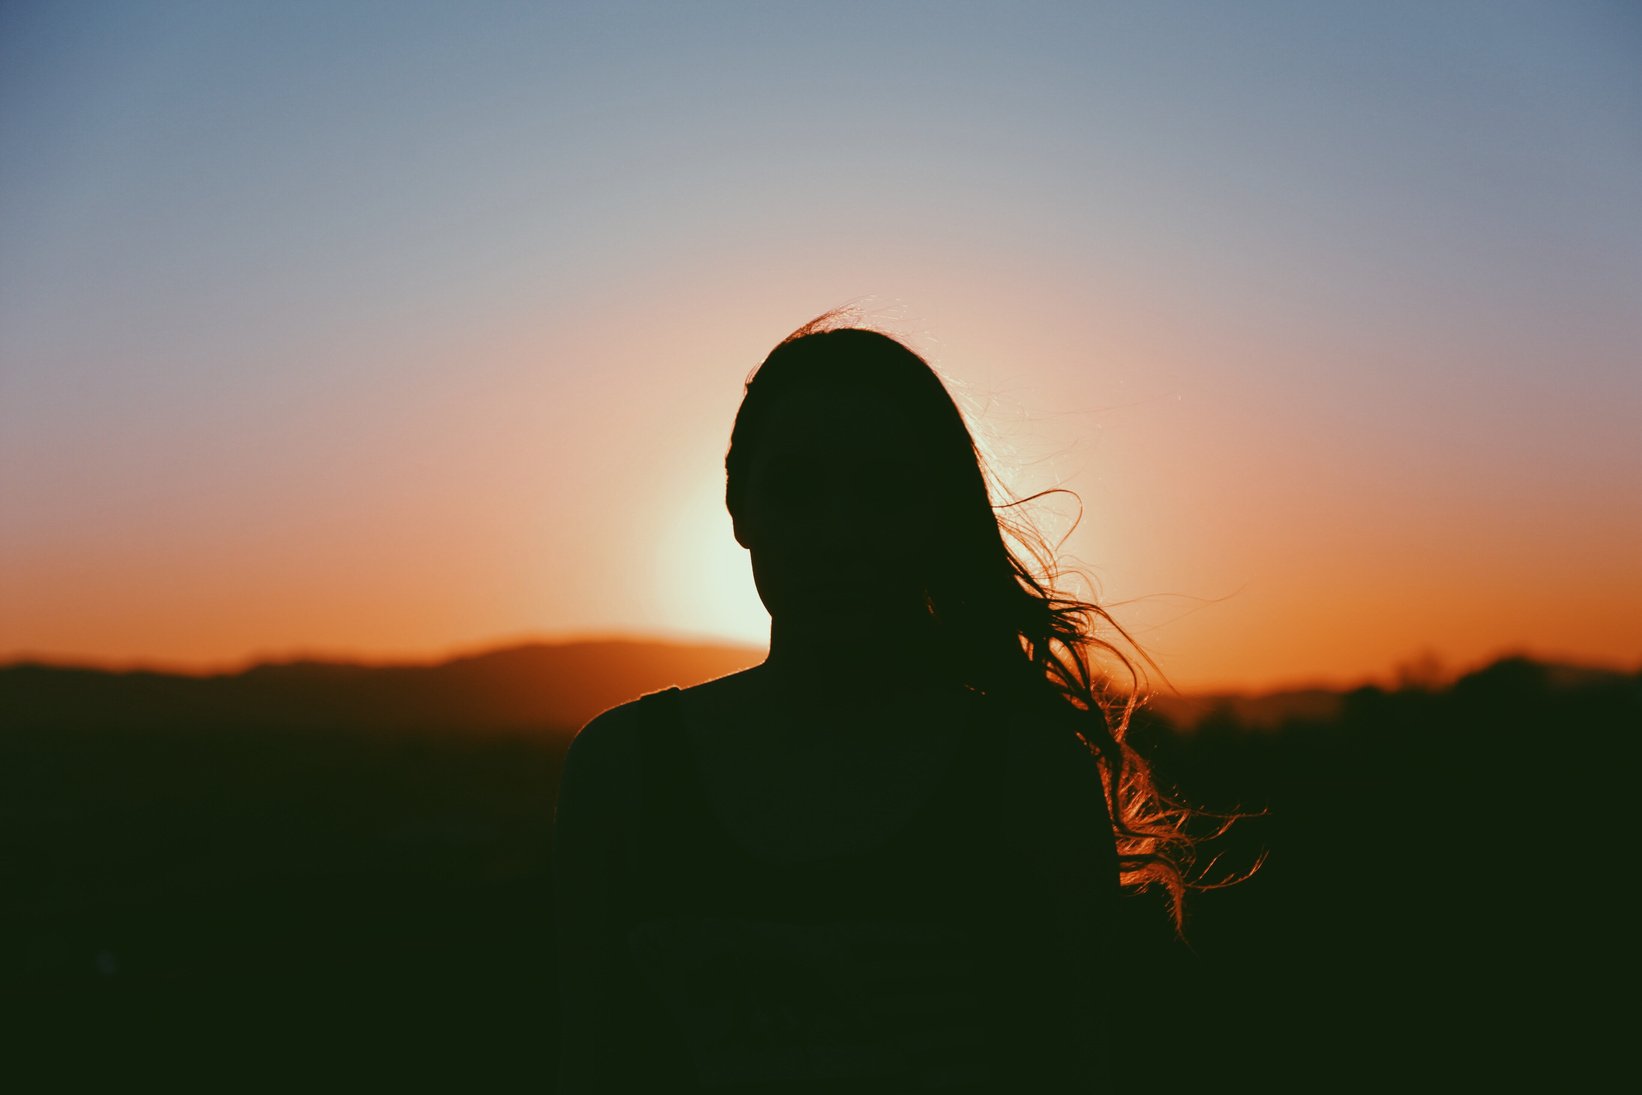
<point>885,860</point>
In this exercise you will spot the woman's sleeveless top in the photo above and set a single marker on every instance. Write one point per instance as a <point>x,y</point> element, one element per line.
<point>923,962</point>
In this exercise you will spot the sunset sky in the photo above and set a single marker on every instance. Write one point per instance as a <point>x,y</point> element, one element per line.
<point>393,329</point>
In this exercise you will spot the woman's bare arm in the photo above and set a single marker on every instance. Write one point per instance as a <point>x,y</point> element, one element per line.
<point>597,801</point>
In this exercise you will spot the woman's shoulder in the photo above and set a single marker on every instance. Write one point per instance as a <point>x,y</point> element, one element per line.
<point>612,740</point>
<point>615,730</point>
<point>732,689</point>
<point>602,763</point>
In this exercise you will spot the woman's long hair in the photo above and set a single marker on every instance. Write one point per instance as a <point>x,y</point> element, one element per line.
<point>1008,630</point>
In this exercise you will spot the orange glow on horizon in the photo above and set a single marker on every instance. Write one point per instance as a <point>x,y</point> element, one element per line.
<point>466,514</point>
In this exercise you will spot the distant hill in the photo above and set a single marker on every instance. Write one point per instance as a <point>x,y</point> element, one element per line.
<point>1317,705</point>
<point>1263,710</point>
<point>537,686</point>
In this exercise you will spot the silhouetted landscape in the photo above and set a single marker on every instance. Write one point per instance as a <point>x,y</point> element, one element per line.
<point>308,862</point>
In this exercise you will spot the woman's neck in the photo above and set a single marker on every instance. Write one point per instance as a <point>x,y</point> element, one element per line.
<point>851,657</point>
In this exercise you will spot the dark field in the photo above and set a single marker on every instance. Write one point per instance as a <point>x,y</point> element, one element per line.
<point>209,898</point>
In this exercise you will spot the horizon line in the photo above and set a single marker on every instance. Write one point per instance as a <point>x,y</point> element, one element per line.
<point>315,655</point>
<point>666,637</point>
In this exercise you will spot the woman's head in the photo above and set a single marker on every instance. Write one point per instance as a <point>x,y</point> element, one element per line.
<point>852,477</point>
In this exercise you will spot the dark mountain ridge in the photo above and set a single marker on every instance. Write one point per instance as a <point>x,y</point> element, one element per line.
<point>535,686</point>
